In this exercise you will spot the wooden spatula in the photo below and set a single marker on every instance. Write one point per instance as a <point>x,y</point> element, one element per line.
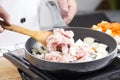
<point>40,36</point>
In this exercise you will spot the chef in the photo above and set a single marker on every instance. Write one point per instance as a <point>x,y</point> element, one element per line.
<point>31,14</point>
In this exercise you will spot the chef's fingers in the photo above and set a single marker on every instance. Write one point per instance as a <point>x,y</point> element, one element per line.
<point>1,29</point>
<point>72,6</point>
<point>63,5</point>
<point>4,15</point>
<point>6,18</point>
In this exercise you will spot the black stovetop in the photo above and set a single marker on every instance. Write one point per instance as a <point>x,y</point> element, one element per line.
<point>29,72</point>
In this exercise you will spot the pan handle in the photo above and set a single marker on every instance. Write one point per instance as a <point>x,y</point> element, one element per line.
<point>55,12</point>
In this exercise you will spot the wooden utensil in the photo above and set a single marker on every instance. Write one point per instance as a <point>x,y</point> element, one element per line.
<point>40,36</point>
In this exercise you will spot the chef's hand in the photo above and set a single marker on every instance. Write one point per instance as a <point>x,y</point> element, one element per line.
<point>4,16</point>
<point>68,9</point>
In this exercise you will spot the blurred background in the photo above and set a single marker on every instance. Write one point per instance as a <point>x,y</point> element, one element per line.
<point>91,5</point>
<point>94,11</point>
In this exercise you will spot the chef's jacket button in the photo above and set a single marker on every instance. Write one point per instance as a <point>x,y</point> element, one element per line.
<point>22,20</point>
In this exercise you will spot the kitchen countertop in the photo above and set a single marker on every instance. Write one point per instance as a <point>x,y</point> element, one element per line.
<point>112,15</point>
<point>9,72</point>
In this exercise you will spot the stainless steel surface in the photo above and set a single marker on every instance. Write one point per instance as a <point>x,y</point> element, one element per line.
<point>112,15</point>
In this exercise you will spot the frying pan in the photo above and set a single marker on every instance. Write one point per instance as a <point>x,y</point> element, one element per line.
<point>79,33</point>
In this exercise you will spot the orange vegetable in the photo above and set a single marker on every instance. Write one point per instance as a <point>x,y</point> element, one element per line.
<point>113,26</point>
<point>94,49</point>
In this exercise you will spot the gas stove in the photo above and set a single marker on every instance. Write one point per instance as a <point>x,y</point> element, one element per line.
<point>29,72</point>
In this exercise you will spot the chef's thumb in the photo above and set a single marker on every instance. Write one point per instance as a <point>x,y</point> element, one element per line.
<point>7,20</point>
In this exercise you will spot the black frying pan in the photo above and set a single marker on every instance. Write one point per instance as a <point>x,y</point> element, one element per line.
<point>75,67</point>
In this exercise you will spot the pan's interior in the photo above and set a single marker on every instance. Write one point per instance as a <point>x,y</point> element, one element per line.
<point>80,33</point>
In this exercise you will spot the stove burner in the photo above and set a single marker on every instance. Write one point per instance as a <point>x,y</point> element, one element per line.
<point>29,72</point>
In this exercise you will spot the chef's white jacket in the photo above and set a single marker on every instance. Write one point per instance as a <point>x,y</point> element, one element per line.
<point>31,14</point>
